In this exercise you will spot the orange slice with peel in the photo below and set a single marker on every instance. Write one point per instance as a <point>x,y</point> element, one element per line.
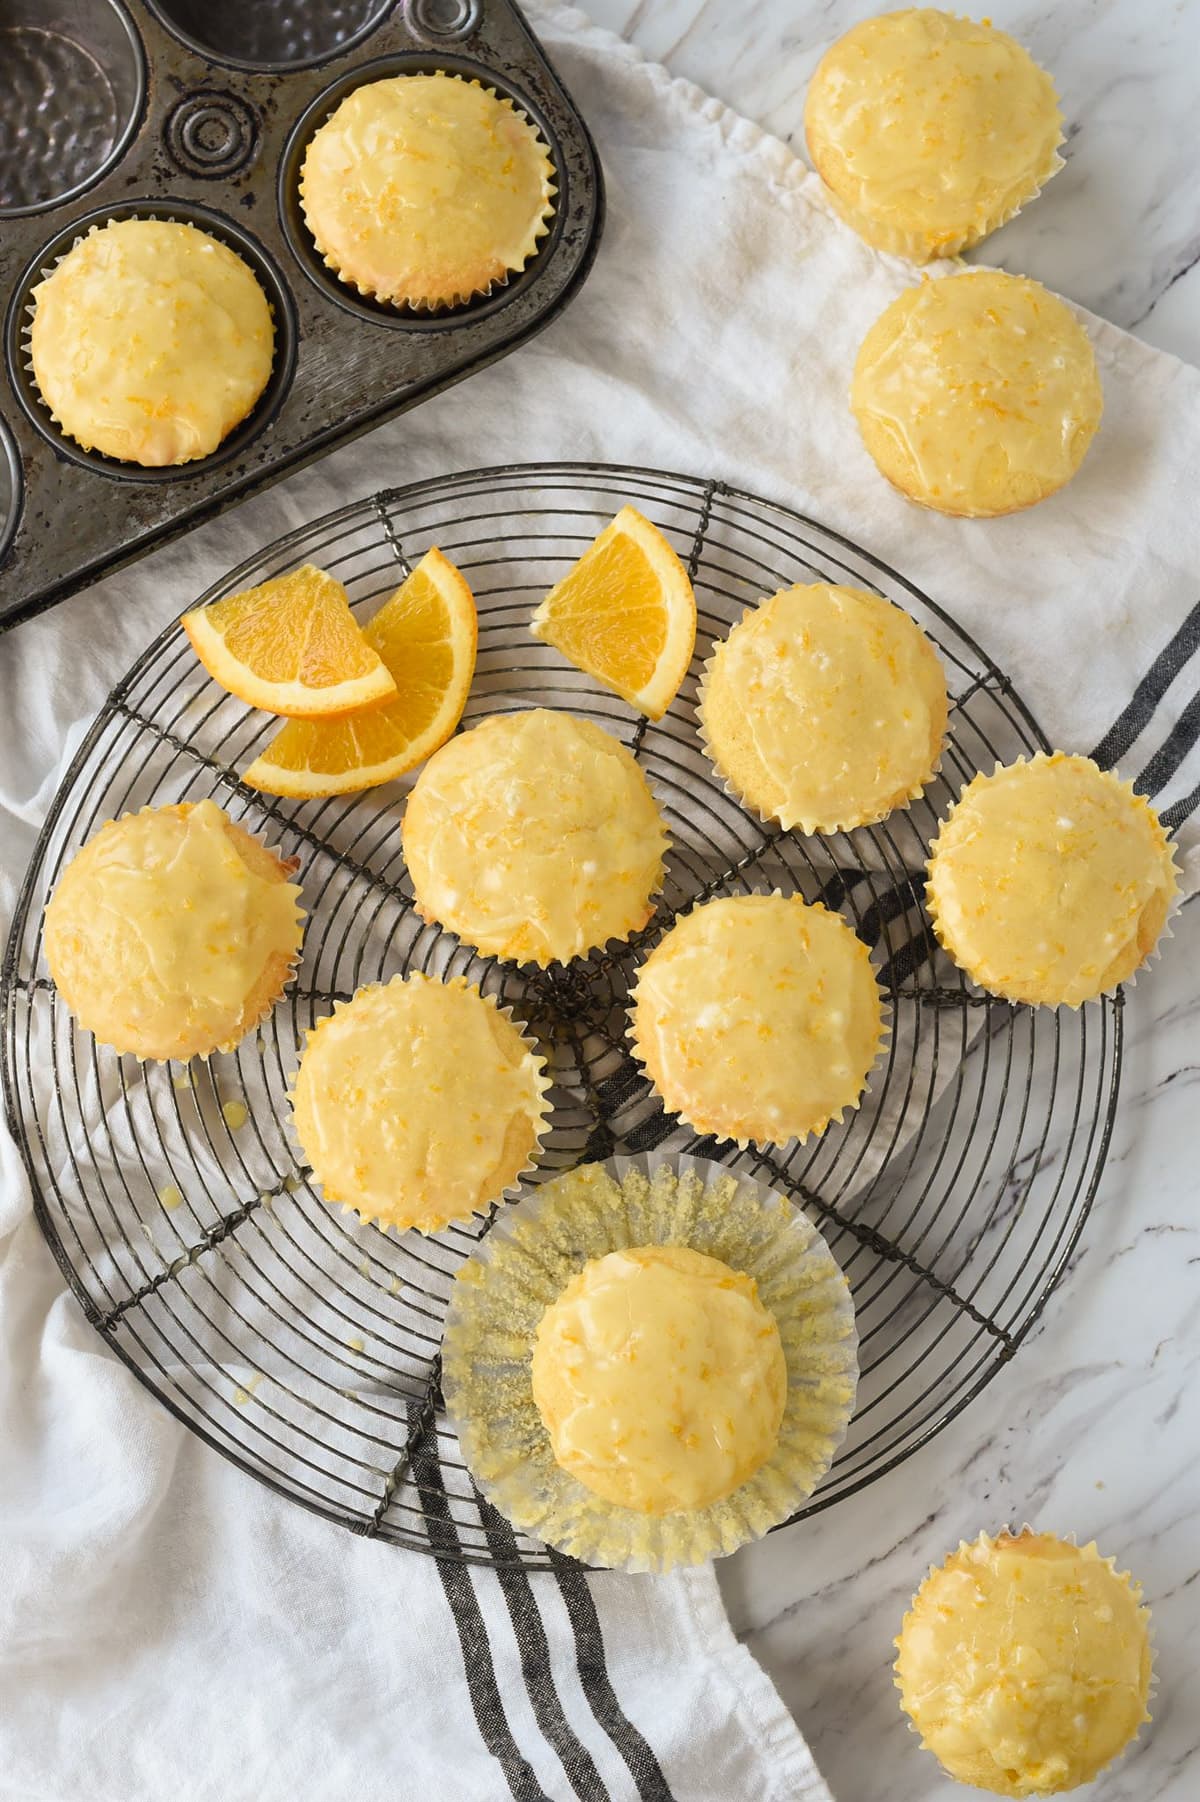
<point>290,646</point>
<point>425,635</point>
<point>625,614</point>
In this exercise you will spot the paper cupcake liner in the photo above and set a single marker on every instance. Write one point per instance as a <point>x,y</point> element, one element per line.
<point>523,1266</point>
<point>1090,1551</point>
<point>47,270</point>
<point>915,246</point>
<point>707,1128</point>
<point>461,297</point>
<point>541,1123</point>
<point>980,978</point>
<point>812,828</point>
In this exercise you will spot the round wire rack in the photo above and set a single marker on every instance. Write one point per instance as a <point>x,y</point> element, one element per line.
<point>302,1344</point>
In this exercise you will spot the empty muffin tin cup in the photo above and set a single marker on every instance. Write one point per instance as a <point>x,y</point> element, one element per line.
<point>273,35</point>
<point>72,86</point>
<point>10,488</point>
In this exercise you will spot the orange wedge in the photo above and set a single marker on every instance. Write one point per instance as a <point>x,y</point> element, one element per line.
<point>625,614</point>
<point>290,646</point>
<point>425,635</point>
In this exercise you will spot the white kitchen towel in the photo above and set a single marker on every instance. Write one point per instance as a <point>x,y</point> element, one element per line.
<point>167,1627</point>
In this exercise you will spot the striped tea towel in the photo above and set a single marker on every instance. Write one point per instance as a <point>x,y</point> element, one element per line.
<point>171,1629</point>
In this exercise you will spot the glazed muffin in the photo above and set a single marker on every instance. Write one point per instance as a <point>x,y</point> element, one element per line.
<point>1025,1664</point>
<point>977,394</point>
<point>650,1364</point>
<point>599,1357</point>
<point>418,1102</point>
<point>173,932</point>
<point>534,836</point>
<point>150,341</point>
<point>424,190</point>
<point>758,1018</point>
<point>929,131</point>
<point>825,708</point>
<point>1050,881</point>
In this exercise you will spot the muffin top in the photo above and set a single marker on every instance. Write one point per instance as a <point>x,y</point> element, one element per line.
<point>758,1018</point>
<point>825,708</point>
<point>172,932</point>
<point>930,130</point>
<point>534,836</point>
<point>1025,1663</point>
<point>426,189</point>
<point>150,341</point>
<point>978,393</point>
<point>1050,881</point>
<point>660,1378</point>
<point>418,1102</point>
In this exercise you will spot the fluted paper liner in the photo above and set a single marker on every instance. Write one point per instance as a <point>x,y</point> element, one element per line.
<point>534,1250</point>
<point>914,245</point>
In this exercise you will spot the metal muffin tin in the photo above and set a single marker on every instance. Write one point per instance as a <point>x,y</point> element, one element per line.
<point>201,111</point>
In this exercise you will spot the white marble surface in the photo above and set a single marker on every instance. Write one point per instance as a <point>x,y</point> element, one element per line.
<point>1095,1426</point>
<point>1118,229</point>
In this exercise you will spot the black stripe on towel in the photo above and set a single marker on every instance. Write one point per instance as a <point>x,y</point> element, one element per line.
<point>1173,817</point>
<point>459,1591</point>
<point>534,1648</point>
<point>920,949</point>
<point>839,886</point>
<point>1132,721</point>
<point>893,904</point>
<point>1174,748</point>
<point>644,1767</point>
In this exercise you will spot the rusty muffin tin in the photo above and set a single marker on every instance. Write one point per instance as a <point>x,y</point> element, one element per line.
<point>201,111</point>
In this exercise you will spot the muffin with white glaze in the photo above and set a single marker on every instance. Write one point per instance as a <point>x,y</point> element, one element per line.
<point>977,394</point>
<point>825,708</point>
<point>418,1102</point>
<point>758,1018</point>
<point>534,837</point>
<point>1025,1663</point>
<point>150,341</point>
<point>424,190</point>
<point>1050,881</point>
<point>172,933</point>
<point>930,130</point>
<point>650,1364</point>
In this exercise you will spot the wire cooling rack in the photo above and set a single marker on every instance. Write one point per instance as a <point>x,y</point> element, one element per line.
<point>304,1345</point>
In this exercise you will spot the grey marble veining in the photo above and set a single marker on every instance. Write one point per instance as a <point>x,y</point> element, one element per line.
<point>1094,1427</point>
<point>1117,230</point>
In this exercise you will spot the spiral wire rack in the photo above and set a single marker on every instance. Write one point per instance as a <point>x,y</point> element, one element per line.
<point>302,1344</point>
